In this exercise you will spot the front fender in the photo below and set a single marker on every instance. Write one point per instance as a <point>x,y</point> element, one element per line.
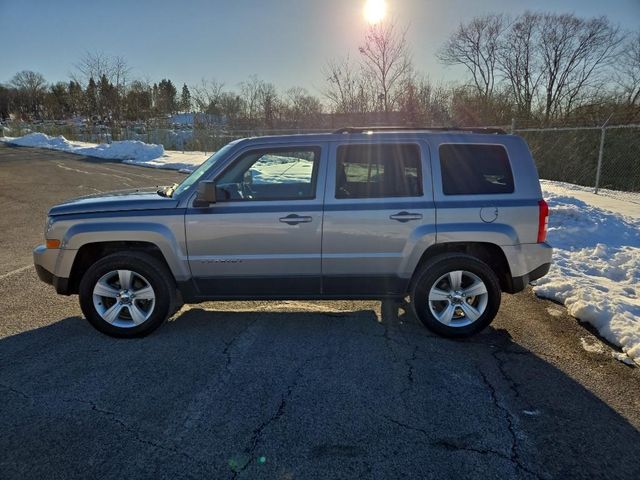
<point>159,235</point>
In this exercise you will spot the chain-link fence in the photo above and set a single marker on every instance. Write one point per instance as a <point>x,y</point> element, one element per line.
<point>606,159</point>
<point>183,138</point>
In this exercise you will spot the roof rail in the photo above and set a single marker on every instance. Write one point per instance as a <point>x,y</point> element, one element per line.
<point>498,131</point>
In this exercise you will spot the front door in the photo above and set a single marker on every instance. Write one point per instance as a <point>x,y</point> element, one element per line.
<point>265,240</point>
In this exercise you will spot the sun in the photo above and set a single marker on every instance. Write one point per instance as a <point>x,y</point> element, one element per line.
<point>375,11</point>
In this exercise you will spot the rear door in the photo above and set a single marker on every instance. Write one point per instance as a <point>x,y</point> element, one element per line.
<point>378,204</point>
<point>265,240</point>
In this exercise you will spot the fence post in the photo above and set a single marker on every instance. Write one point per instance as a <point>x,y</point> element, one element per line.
<point>601,153</point>
<point>513,126</point>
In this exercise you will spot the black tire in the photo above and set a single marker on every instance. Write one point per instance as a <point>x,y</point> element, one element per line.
<point>432,271</point>
<point>156,274</point>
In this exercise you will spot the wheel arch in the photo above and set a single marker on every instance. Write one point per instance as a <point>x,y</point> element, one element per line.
<point>489,253</point>
<point>89,253</point>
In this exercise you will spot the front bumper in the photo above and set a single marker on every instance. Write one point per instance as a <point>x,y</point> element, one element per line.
<point>44,261</point>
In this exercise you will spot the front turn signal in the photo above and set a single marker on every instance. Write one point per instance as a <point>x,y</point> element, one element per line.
<point>53,243</point>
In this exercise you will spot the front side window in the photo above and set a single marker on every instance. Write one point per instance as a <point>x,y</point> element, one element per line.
<point>375,171</point>
<point>475,169</point>
<point>278,174</point>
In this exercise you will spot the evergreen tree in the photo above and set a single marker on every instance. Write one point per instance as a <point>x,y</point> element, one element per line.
<point>91,98</point>
<point>76,97</point>
<point>167,97</point>
<point>106,96</point>
<point>185,99</point>
<point>57,103</point>
<point>5,100</point>
<point>138,101</point>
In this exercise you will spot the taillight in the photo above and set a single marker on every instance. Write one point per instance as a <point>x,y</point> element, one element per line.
<point>543,220</point>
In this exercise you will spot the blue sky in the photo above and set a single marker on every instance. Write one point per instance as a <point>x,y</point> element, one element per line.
<point>284,41</point>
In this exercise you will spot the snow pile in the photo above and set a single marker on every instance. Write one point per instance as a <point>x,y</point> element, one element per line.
<point>128,151</point>
<point>184,162</point>
<point>131,150</point>
<point>125,150</point>
<point>40,140</point>
<point>596,269</point>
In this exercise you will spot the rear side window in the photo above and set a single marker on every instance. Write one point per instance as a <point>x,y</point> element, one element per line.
<point>475,169</point>
<point>379,170</point>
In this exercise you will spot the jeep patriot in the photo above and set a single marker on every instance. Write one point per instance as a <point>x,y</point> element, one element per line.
<point>448,218</point>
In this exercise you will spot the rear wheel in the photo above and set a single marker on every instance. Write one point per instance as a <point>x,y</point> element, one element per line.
<point>456,295</point>
<point>127,295</point>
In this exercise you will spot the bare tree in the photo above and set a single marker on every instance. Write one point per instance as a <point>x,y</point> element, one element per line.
<point>302,106</point>
<point>386,58</point>
<point>96,64</point>
<point>207,96</point>
<point>348,89</point>
<point>519,60</point>
<point>575,52</point>
<point>121,71</point>
<point>474,45</point>
<point>269,103</point>
<point>30,89</point>
<point>231,107</point>
<point>262,106</point>
<point>628,77</point>
<point>250,94</point>
<point>423,103</point>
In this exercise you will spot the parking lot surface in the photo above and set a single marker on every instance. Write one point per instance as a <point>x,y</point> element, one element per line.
<point>289,390</point>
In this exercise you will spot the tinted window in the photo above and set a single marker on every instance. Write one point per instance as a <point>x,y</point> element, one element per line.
<point>475,169</point>
<point>276,174</point>
<point>373,171</point>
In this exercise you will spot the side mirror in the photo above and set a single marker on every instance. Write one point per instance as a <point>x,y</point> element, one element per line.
<point>206,194</point>
<point>209,194</point>
<point>248,177</point>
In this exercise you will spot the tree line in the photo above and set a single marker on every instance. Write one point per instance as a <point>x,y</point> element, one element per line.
<point>537,68</point>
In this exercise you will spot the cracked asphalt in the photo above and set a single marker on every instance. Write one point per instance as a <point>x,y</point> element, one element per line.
<point>289,390</point>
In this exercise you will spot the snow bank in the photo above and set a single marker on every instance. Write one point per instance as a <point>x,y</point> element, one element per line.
<point>40,140</point>
<point>125,150</point>
<point>128,151</point>
<point>596,269</point>
<point>184,162</point>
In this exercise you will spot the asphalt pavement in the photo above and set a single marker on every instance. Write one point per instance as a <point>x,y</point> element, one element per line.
<point>289,390</point>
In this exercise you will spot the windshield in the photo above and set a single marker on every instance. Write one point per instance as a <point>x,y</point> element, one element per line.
<point>198,172</point>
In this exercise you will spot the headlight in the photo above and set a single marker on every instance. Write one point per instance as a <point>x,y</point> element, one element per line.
<point>48,226</point>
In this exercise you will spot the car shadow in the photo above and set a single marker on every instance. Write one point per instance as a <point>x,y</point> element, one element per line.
<point>288,394</point>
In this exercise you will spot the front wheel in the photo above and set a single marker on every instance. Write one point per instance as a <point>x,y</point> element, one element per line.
<point>456,295</point>
<point>126,294</point>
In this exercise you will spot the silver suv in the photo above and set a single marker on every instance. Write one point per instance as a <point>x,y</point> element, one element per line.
<point>449,218</point>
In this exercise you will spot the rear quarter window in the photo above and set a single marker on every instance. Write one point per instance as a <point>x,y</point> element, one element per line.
<point>469,169</point>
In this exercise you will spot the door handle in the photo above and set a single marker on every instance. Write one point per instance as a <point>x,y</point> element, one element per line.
<point>293,219</point>
<point>405,216</point>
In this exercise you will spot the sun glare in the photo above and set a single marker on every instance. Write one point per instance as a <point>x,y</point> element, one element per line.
<point>375,11</point>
